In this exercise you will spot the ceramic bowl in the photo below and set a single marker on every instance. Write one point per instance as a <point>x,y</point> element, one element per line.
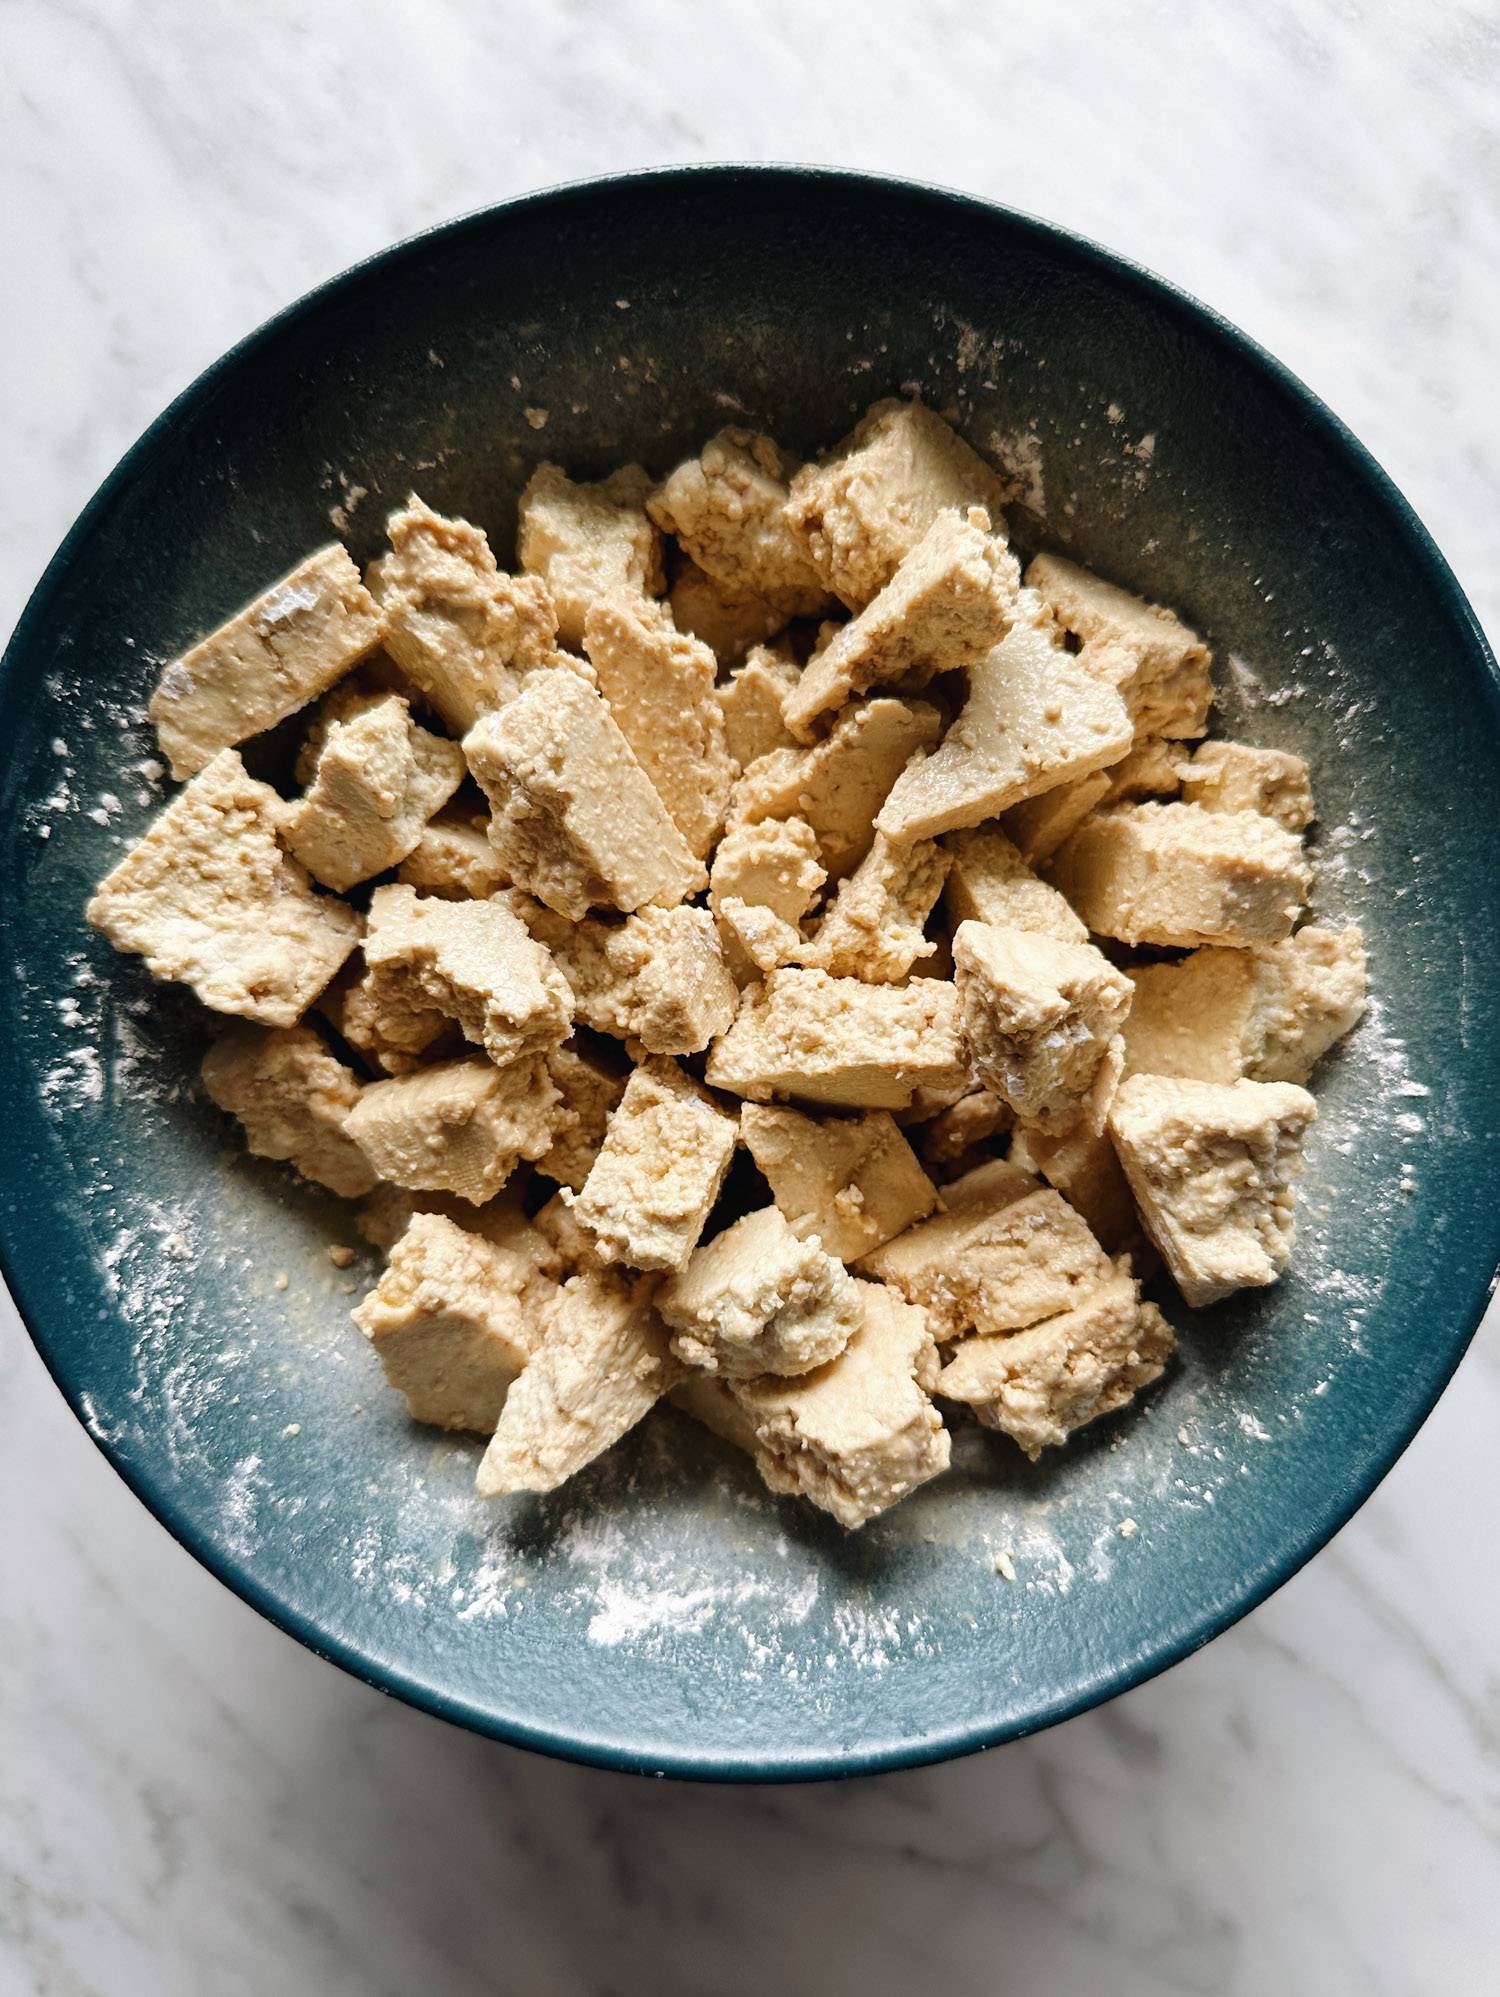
<point>664,1612</point>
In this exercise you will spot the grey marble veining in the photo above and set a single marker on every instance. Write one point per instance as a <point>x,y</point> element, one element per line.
<point>187,1801</point>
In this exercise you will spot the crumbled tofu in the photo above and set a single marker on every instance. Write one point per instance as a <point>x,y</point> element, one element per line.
<point>769,863</point>
<point>727,508</point>
<point>1038,1016</point>
<point>453,858</point>
<point>451,1329</point>
<point>838,784</point>
<point>860,1433</point>
<point>835,1040</point>
<point>1040,1386</point>
<point>874,927</point>
<point>728,625</point>
<point>577,822</point>
<point>292,1097</point>
<point>1180,875</point>
<point>588,541</point>
<point>590,1088</point>
<point>990,882</point>
<point>602,1364</point>
<point>853,1181</point>
<point>660,687</point>
<point>866,506</point>
<point>1213,1167</point>
<point>959,1137</point>
<point>654,1182</point>
<point>210,900</point>
<point>1267,1014</point>
<point>949,602</point>
<point>377,780</point>
<point>1230,776</point>
<point>753,701</point>
<point>1081,1161</point>
<point>759,1298</point>
<point>464,634</point>
<point>658,977</point>
<point>1005,1253</point>
<point>1039,825</point>
<point>280,652</point>
<point>459,1126</point>
<point>1160,668</point>
<point>382,1027</point>
<point>1154,768</point>
<point>1033,719</point>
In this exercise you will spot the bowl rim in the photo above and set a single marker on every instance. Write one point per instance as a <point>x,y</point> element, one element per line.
<point>938,1745</point>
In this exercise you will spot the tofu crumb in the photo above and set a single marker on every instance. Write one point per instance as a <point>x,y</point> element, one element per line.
<point>1005,1565</point>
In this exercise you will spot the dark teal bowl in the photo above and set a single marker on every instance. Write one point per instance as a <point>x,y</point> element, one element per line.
<point>664,1613</point>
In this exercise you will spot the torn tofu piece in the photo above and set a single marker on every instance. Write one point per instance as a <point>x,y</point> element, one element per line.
<point>839,784</point>
<point>860,1433</point>
<point>711,1399</point>
<point>853,1181</point>
<point>959,1137</point>
<point>660,687</point>
<point>469,961</point>
<point>450,1325</point>
<point>279,653</point>
<point>728,625</point>
<point>769,864</point>
<point>664,1157</point>
<point>587,541</point>
<point>1230,776</point>
<point>1042,1385</point>
<point>869,502</point>
<point>756,940</point>
<point>590,1089</point>
<point>874,927</point>
<point>209,898</point>
<point>577,822</point>
<point>1214,1167</point>
<point>753,701</point>
<point>760,1299</point>
<point>1160,668</point>
<point>602,1364</point>
<point>453,858</point>
<point>1033,719</point>
<point>658,977</point>
<point>949,602</point>
<point>1039,1015</point>
<point>1266,1015</point>
<point>530,1259</point>
<point>727,508</point>
<point>1154,768</point>
<point>457,1127</point>
<point>1081,1161</point>
<point>1005,1253</point>
<point>1180,875</point>
<point>465,634</point>
<point>377,779</point>
<point>1039,825</point>
<point>835,1040</point>
<point>382,1027</point>
<point>292,1096</point>
<point>989,881</point>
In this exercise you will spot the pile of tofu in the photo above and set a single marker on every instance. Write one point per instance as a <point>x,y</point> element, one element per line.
<point>765,952</point>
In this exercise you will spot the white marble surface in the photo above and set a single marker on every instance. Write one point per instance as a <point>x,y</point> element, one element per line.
<point>188,1802</point>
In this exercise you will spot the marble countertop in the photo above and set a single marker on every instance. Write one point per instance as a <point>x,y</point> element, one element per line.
<point>188,1801</point>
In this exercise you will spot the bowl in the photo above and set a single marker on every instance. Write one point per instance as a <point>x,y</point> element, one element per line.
<point>663,1612</point>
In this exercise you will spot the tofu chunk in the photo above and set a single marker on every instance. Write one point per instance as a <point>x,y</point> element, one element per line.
<point>853,1182</point>
<point>590,1089</point>
<point>658,977</point>
<point>859,1434</point>
<point>760,1299</point>
<point>1154,768</point>
<point>961,1137</point>
<point>1039,825</point>
<point>459,1126</point>
<point>1160,668</point>
<point>292,1096</point>
<point>660,687</point>
<point>1039,1015</point>
<point>949,602</point>
<point>280,652</point>
<point>1043,1385</point>
<point>834,1040</point>
<point>989,881</point>
<point>449,1325</point>
<point>1005,1253</point>
<point>1180,875</point>
<point>1213,1167</point>
<point>602,1364</point>
<point>1081,1162</point>
<point>728,625</point>
<point>453,858</point>
<point>587,541</point>
<point>874,928</point>
<point>577,822</point>
<point>655,1180</point>
<point>210,900</point>
<point>771,863</point>
<point>1230,776</point>
<point>753,703</point>
<point>1033,719</point>
<point>377,779</point>
<point>727,508</point>
<point>869,502</point>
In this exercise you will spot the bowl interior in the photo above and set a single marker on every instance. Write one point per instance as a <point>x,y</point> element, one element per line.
<point>665,1612</point>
